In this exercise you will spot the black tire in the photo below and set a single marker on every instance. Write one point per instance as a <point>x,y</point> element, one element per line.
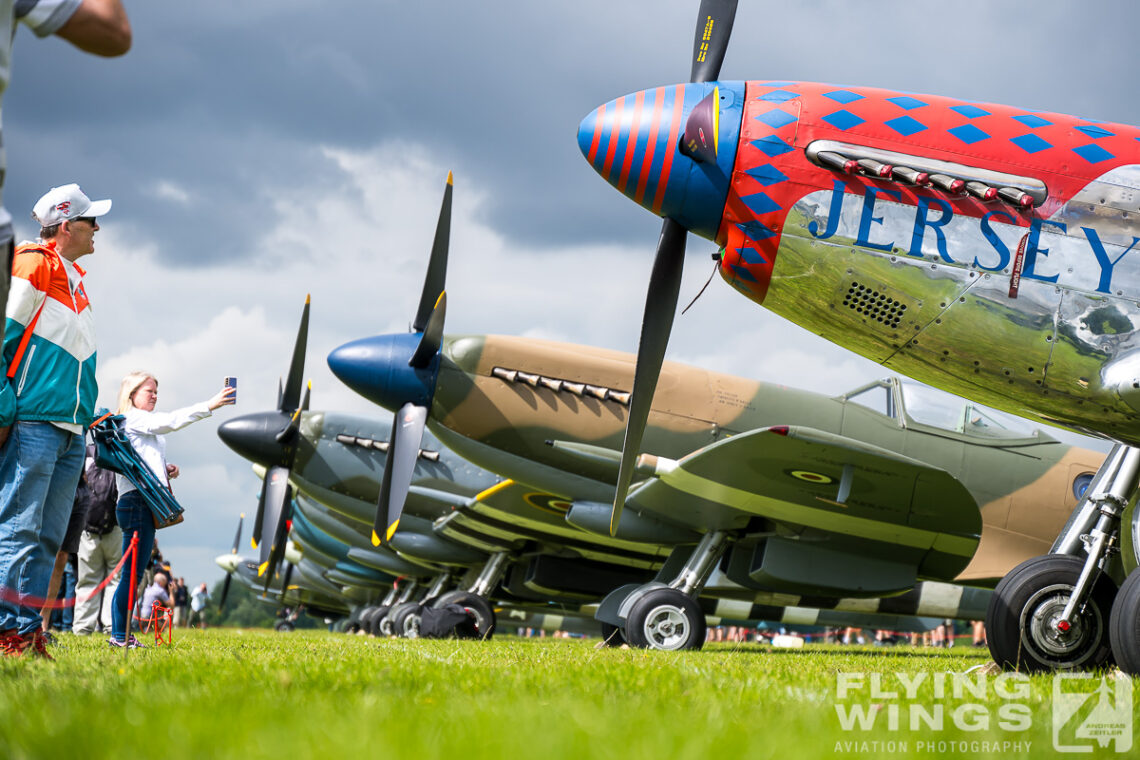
<point>376,619</point>
<point>612,636</point>
<point>664,618</point>
<point>483,616</point>
<point>384,623</point>
<point>363,621</point>
<point>1019,627</point>
<point>406,620</point>
<point>284,626</point>
<point>1124,625</point>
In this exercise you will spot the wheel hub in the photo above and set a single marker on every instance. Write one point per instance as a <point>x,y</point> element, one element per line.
<point>1040,619</point>
<point>666,627</point>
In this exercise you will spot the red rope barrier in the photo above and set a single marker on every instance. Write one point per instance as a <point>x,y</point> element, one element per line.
<point>28,600</point>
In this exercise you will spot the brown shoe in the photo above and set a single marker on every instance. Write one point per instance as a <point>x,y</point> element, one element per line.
<point>35,643</point>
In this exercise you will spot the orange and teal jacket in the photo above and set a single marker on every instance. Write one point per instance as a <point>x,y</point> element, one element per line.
<point>54,379</point>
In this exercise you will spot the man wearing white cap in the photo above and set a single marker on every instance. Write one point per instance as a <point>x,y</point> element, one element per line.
<point>47,398</point>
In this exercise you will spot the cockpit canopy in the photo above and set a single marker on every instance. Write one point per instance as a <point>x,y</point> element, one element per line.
<point>912,403</point>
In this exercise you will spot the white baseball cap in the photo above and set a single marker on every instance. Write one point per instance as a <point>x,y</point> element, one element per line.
<point>67,202</point>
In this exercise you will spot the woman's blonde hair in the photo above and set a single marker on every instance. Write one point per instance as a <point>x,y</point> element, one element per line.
<point>130,384</point>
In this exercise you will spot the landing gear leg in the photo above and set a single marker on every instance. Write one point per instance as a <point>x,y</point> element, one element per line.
<point>668,617</point>
<point>475,598</point>
<point>1052,612</point>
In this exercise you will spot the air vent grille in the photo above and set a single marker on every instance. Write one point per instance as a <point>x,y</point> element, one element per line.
<point>874,305</point>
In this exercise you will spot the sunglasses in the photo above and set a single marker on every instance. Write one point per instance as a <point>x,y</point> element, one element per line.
<point>89,219</point>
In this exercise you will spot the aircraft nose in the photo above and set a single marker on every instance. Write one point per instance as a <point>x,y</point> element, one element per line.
<point>633,142</point>
<point>378,368</point>
<point>254,436</point>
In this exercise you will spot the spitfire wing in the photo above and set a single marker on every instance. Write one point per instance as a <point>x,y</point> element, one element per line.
<point>846,493</point>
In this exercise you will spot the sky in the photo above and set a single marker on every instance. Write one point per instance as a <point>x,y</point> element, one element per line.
<point>260,151</point>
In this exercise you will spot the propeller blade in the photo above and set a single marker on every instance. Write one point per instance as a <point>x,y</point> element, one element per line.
<point>403,450</point>
<point>259,518</point>
<point>291,398</point>
<point>660,307</point>
<point>433,335</point>
<point>225,591</point>
<point>288,433</point>
<point>714,27</point>
<point>305,400</point>
<point>278,494</point>
<point>434,281</point>
<point>288,577</point>
<point>277,553</point>
<point>280,393</point>
<point>237,536</point>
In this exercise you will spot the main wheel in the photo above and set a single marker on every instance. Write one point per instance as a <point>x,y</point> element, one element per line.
<point>284,626</point>
<point>387,624</point>
<point>406,620</point>
<point>1021,621</point>
<point>478,607</point>
<point>612,636</point>
<point>376,619</point>
<point>664,618</point>
<point>1124,625</point>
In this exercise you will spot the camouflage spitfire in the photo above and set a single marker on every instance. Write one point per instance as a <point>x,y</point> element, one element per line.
<point>803,495</point>
<point>492,531</point>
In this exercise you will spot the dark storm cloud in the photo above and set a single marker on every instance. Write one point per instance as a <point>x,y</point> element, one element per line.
<point>228,100</point>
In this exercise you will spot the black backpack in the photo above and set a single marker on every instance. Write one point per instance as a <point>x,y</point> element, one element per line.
<point>99,495</point>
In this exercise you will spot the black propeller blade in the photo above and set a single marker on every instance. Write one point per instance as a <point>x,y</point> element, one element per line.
<point>403,450</point>
<point>660,306</point>
<point>230,574</point>
<point>714,27</point>
<point>436,277</point>
<point>276,502</point>
<point>408,424</point>
<point>274,506</point>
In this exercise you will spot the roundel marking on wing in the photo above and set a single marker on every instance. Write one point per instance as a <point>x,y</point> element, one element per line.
<point>810,477</point>
<point>547,503</point>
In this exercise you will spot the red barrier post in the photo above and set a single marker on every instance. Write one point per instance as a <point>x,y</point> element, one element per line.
<point>134,550</point>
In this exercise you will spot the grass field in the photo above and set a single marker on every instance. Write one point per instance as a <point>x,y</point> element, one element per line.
<point>254,694</point>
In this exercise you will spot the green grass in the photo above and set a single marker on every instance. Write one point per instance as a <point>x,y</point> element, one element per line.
<point>253,694</point>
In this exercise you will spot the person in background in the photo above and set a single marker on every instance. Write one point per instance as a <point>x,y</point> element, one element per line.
<point>146,428</point>
<point>100,549</point>
<point>181,596</point>
<point>155,594</point>
<point>198,601</point>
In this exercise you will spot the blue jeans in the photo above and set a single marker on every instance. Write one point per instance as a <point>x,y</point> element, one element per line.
<point>39,472</point>
<point>133,515</point>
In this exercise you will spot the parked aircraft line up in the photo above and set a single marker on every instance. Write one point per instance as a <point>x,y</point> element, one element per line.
<point>980,249</point>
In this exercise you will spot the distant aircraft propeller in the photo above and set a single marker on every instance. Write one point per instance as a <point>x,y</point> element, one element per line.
<point>233,564</point>
<point>409,388</point>
<point>714,27</point>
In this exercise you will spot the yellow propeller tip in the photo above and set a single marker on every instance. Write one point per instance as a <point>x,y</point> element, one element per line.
<point>262,568</point>
<point>449,178</point>
<point>242,515</point>
<point>308,298</point>
<point>253,542</point>
<point>375,539</point>
<point>392,529</point>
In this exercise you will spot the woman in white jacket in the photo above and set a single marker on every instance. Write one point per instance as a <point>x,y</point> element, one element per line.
<point>138,394</point>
